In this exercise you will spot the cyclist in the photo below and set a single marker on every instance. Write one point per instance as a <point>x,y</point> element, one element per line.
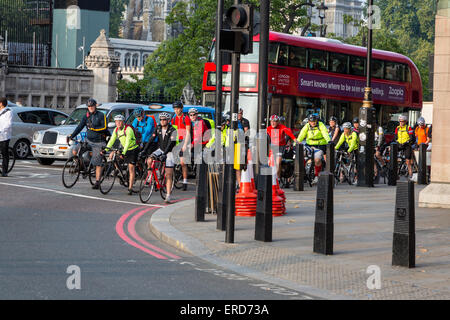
<point>198,130</point>
<point>380,146</point>
<point>167,139</point>
<point>349,140</point>
<point>130,151</point>
<point>243,123</point>
<point>333,129</point>
<point>317,137</point>
<point>349,137</point>
<point>5,134</point>
<point>356,125</point>
<point>404,136</point>
<point>183,125</point>
<point>279,134</point>
<point>97,132</point>
<point>144,125</point>
<point>421,133</point>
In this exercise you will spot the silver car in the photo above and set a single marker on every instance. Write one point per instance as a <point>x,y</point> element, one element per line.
<point>50,145</point>
<point>27,120</point>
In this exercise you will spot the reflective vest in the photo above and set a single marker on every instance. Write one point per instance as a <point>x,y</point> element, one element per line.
<point>316,136</point>
<point>403,134</point>
<point>352,141</point>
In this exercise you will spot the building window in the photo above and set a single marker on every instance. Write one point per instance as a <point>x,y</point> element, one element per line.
<point>135,62</point>
<point>127,60</point>
<point>144,59</point>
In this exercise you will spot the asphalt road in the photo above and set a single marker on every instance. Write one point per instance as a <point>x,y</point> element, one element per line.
<point>58,243</point>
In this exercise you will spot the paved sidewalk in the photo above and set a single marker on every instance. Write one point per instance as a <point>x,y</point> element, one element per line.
<point>363,237</point>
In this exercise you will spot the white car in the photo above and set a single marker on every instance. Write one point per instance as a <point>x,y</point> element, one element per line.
<point>50,145</point>
<point>26,121</point>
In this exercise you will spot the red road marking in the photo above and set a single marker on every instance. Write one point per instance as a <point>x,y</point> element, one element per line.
<point>120,231</point>
<point>132,231</point>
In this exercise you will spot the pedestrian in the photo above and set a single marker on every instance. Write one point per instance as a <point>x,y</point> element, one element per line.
<point>5,134</point>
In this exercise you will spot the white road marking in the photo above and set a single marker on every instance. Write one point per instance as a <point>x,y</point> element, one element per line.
<point>80,195</point>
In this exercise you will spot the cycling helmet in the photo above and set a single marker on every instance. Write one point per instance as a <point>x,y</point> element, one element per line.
<point>177,104</point>
<point>347,125</point>
<point>274,117</point>
<point>402,118</point>
<point>355,120</point>
<point>164,115</point>
<point>421,121</point>
<point>91,102</point>
<point>193,110</point>
<point>139,112</point>
<point>119,117</point>
<point>333,118</point>
<point>313,117</point>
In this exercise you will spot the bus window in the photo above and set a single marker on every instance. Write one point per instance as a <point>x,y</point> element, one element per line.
<point>357,66</point>
<point>251,57</point>
<point>318,59</point>
<point>283,55</point>
<point>378,69</point>
<point>338,62</point>
<point>297,57</point>
<point>273,50</point>
<point>395,71</point>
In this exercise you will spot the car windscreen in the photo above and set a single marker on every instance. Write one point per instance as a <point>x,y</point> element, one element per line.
<point>147,113</point>
<point>78,114</point>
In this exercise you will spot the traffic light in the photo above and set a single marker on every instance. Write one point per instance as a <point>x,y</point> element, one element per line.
<point>240,38</point>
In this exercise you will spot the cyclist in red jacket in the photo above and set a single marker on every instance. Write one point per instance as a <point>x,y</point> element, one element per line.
<point>279,135</point>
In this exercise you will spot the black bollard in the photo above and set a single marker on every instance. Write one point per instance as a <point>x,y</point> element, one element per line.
<point>201,197</point>
<point>324,224</point>
<point>231,204</point>
<point>393,165</point>
<point>222,200</point>
<point>264,219</point>
<point>404,241</point>
<point>422,174</point>
<point>299,168</point>
<point>331,159</point>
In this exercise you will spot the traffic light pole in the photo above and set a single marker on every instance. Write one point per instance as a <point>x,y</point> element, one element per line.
<point>235,73</point>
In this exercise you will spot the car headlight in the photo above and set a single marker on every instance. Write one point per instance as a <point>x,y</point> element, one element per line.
<point>36,136</point>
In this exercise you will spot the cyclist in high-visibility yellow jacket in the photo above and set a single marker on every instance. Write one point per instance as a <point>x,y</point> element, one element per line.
<point>317,137</point>
<point>351,138</point>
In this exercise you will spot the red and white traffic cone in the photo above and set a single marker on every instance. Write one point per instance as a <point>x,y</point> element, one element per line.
<point>245,203</point>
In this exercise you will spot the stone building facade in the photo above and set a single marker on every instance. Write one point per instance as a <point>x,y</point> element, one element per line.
<point>60,88</point>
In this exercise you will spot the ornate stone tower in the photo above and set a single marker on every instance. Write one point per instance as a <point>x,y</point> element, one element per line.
<point>104,64</point>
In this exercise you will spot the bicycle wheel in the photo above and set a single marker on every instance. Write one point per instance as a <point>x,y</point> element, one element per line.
<point>376,177</point>
<point>109,174</point>
<point>71,172</point>
<point>146,186</point>
<point>163,189</point>
<point>12,159</point>
<point>352,176</point>
<point>178,176</point>
<point>91,173</point>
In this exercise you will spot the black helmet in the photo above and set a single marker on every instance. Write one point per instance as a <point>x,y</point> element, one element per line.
<point>333,118</point>
<point>177,104</point>
<point>355,119</point>
<point>91,102</point>
<point>313,117</point>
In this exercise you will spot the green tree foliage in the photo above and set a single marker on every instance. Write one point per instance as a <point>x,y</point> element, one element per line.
<point>181,60</point>
<point>116,13</point>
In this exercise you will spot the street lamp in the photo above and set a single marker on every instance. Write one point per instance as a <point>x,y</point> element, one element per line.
<point>322,8</point>
<point>311,5</point>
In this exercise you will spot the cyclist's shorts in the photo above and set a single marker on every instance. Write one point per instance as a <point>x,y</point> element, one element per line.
<point>131,156</point>
<point>278,150</point>
<point>408,150</point>
<point>96,149</point>
<point>169,159</point>
<point>318,152</point>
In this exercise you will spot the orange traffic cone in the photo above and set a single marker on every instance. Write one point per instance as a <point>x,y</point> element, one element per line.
<point>278,201</point>
<point>245,203</point>
<point>250,169</point>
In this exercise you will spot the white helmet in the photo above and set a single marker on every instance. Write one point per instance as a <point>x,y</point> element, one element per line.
<point>421,121</point>
<point>347,125</point>
<point>119,117</point>
<point>402,118</point>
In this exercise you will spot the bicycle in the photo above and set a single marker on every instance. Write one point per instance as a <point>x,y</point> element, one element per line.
<point>12,160</point>
<point>178,172</point>
<point>114,167</point>
<point>154,178</point>
<point>287,167</point>
<point>381,170</point>
<point>77,165</point>
<point>345,168</point>
<point>403,167</point>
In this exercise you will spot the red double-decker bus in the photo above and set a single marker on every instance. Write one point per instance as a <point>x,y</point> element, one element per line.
<point>324,76</point>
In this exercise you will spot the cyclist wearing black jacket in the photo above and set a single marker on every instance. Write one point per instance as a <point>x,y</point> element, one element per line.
<point>167,139</point>
<point>97,132</point>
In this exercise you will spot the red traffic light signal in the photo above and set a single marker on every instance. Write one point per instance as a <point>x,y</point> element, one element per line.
<point>240,18</point>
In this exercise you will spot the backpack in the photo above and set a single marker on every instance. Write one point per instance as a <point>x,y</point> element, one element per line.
<point>137,133</point>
